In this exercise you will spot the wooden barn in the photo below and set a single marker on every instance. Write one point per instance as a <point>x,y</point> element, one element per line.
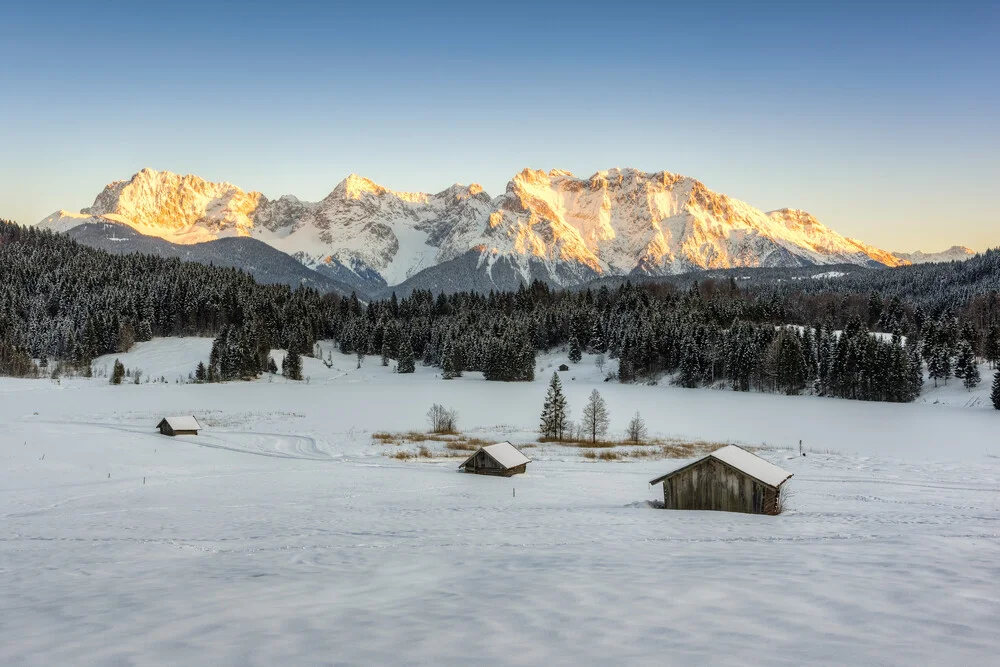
<point>730,479</point>
<point>186,425</point>
<point>503,459</point>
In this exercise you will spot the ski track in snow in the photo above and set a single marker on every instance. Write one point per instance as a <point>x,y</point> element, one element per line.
<point>282,534</point>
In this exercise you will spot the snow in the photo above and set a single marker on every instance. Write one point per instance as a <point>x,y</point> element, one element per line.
<point>953,254</point>
<point>611,222</point>
<point>752,465</point>
<point>505,454</point>
<point>285,534</point>
<point>62,221</point>
<point>183,423</point>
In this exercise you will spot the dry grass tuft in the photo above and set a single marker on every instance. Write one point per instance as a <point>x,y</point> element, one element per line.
<point>461,446</point>
<point>455,441</point>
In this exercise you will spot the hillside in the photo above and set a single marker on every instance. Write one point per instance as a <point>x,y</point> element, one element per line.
<point>264,263</point>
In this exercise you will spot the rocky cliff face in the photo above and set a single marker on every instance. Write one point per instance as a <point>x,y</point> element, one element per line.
<point>548,225</point>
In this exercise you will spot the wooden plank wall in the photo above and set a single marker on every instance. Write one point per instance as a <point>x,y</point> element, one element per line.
<point>712,485</point>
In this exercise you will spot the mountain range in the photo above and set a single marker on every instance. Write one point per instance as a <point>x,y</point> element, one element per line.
<point>550,226</point>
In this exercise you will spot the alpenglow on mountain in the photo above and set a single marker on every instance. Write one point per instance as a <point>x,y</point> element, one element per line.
<point>547,225</point>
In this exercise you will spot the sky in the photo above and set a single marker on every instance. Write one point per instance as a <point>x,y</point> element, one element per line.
<point>881,119</point>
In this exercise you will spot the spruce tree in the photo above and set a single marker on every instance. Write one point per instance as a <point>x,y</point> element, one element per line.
<point>291,365</point>
<point>555,418</point>
<point>967,366</point>
<point>407,362</point>
<point>118,373</point>
<point>690,364</point>
<point>200,374</point>
<point>448,371</point>
<point>995,394</point>
<point>575,354</point>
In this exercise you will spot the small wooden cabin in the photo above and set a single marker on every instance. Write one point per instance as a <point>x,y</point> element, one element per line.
<point>186,425</point>
<point>730,479</point>
<point>503,459</point>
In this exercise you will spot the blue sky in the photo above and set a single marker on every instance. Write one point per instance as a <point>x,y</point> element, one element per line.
<point>882,121</point>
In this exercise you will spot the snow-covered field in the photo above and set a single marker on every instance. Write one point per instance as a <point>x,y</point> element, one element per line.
<point>284,534</point>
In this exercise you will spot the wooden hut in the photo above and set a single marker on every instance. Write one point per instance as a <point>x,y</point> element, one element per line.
<point>503,459</point>
<point>184,425</point>
<point>730,479</point>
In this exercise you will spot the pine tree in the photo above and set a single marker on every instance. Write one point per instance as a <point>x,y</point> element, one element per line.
<point>118,373</point>
<point>291,365</point>
<point>448,371</point>
<point>995,394</point>
<point>555,419</point>
<point>787,362</point>
<point>690,364</point>
<point>200,374</point>
<point>991,349</point>
<point>636,431</point>
<point>575,354</point>
<point>595,417</point>
<point>407,362</point>
<point>597,344</point>
<point>967,366</point>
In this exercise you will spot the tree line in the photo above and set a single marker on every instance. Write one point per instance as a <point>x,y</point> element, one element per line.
<point>63,304</point>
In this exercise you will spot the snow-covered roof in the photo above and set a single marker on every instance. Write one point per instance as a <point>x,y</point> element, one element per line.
<point>182,423</point>
<point>504,453</point>
<point>745,462</point>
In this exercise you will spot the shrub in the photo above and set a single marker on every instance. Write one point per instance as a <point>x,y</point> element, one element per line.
<point>442,420</point>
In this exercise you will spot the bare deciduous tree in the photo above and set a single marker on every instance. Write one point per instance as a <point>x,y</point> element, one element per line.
<point>595,417</point>
<point>636,431</point>
<point>442,420</point>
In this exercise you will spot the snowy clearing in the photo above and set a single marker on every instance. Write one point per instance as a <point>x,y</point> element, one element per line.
<point>283,533</point>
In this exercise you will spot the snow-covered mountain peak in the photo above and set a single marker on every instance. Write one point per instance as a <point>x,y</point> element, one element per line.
<point>183,209</point>
<point>356,187</point>
<point>547,224</point>
<point>956,253</point>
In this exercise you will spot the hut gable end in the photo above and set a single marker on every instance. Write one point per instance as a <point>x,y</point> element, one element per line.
<point>501,458</point>
<point>732,481</point>
<point>180,425</point>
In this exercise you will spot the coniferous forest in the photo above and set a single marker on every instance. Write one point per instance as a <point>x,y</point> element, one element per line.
<point>867,337</point>
<point>64,304</point>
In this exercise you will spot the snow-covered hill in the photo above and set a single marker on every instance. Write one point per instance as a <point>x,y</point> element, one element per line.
<point>955,253</point>
<point>547,225</point>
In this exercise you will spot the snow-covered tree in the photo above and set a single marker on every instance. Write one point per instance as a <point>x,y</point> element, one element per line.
<point>407,362</point>
<point>555,414</point>
<point>291,365</point>
<point>967,366</point>
<point>575,353</point>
